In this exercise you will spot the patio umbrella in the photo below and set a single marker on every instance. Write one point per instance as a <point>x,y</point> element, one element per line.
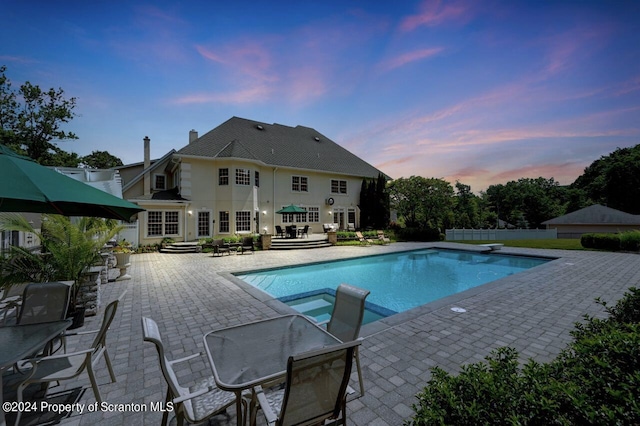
<point>291,209</point>
<point>26,186</point>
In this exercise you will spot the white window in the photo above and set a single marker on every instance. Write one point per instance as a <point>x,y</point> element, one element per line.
<point>243,221</point>
<point>338,186</point>
<point>294,217</point>
<point>163,223</point>
<point>224,223</point>
<point>223,177</point>
<point>299,184</point>
<point>243,177</point>
<point>159,182</point>
<point>204,224</point>
<point>313,214</point>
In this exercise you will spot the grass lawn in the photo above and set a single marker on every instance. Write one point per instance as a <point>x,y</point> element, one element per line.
<point>561,244</point>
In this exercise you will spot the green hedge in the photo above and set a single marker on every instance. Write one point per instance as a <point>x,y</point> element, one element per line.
<point>595,380</point>
<point>627,241</point>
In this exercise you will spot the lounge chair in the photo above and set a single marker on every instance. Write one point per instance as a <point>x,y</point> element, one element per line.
<point>351,227</point>
<point>279,231</point>
<point>196,403</point>
<point>219,248</point>
<point>383,238</point>
<point>363,240</point>
<point>247,245</point>
<point>346,318</point>
<point>315,389</point>
<point>69,365</point>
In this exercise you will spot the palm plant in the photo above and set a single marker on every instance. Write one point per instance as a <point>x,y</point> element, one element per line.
<point>69,248</point>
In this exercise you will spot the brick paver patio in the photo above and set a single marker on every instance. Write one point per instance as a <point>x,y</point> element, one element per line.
<point>190,294</point>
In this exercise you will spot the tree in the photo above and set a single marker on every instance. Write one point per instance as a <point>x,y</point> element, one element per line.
<point>614,180</point>
<point>30,126</point>
<point>100,160</point>
<point>425,203</point>
<point>374,203</point>
<point>466,207</point>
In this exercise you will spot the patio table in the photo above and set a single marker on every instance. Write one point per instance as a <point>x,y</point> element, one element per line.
<point>248,355</point>
<point>20,341</point>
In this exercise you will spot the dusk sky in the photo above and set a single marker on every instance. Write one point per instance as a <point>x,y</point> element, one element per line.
<point>483,92</point>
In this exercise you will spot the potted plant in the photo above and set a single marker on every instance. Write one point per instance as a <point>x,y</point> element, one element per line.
<point>69,248</point>
<point>122,252</point>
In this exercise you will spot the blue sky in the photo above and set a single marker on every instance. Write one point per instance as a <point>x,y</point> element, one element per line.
<point>479,91</point>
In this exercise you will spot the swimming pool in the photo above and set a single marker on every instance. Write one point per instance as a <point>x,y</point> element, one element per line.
<point>397,281</point>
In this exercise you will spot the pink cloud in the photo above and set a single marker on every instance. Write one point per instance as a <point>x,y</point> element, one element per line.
<point>252,94</point>
<point>409,57</point>
<point>434,13</point>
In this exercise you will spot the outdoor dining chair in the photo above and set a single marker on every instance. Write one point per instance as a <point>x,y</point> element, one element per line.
<point>195,403</point>
<point>11,301</point>
<point>279,231</point>
<point>247,245</point>
<point>69,365</point>
<point>315,390</point>
<point>219,248</point>
<point>44,302</point>
<point>346,319</point>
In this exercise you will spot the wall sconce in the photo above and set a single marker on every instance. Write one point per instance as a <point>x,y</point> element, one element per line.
<point>330,213</point>
<point>265,229</point>
<point>190,212</point>
<point>264,212</point>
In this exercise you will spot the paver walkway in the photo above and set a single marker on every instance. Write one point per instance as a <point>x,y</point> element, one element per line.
<point>190,294</point>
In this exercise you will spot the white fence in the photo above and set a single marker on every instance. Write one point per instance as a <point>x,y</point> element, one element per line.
<point>130,233</point>
<point>499,234</point>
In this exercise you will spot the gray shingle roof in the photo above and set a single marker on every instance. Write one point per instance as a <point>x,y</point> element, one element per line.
<point>278,145</point>
<point>595,214</point>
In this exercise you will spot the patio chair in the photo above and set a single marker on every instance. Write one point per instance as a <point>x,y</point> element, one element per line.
<point>315,389</point>
<point>247,245</point>
<point>44,302</point>
<point>383,238</point>
<point>67,366</point>
<point>363,240</point>
<point>196,403</point>
<point>11,301</point>
<point>279,231</point>
<point>304,231</point>
<point>346,319</point>
<point>219,248</point>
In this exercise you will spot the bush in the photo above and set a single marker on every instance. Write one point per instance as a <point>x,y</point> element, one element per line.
<point>630,241</point>
<point>419,234</point>
<point>610,242</point>
<point>595,380</point>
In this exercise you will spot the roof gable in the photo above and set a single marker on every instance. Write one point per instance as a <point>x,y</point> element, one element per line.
<point>595,214</point>
<point>278,145</point>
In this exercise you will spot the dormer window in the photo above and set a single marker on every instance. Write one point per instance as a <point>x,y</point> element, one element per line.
<point>159,182</point>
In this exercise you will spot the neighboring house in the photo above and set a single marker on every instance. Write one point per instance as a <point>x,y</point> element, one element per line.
<point>234,179</point>
<point>595,218</point>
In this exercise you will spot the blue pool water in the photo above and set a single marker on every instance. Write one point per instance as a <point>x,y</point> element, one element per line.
<point>397,281</point>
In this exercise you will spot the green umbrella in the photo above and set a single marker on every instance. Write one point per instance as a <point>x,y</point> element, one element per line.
<point>291,209</point>
<point>26,186</point>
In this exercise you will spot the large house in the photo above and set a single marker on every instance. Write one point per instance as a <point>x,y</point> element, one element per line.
<point>235,178</point>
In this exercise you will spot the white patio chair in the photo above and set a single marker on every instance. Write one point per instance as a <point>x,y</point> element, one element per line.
<point>67,366</point>
<point>315,389</point>
<point>195,403</point>
<point>346,319</point>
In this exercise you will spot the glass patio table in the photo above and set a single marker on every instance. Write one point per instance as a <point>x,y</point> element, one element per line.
<point>255,353</point>
<point>20,341</point>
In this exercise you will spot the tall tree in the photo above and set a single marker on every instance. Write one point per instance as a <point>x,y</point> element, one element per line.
<point>614,180</point>
<point>425,203</point>
<point>100,160</point>
<point>30,125</point>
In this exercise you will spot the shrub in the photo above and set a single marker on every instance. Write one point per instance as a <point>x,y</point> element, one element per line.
<point>419,234</point>
<point>595,380</point>
<point>630,241</point>
<point>609,242</point>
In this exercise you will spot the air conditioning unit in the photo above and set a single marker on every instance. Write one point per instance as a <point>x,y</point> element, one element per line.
<point>329,201</point>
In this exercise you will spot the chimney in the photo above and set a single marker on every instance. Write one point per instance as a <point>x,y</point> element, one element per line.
<point>193,136</point>
<point>147,164</point>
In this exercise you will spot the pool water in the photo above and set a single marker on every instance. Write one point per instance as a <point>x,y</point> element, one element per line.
<point>397,281</point>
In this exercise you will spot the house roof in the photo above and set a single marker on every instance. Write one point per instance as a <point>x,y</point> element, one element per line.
<point>278,145</point>
<point>154,164</point>
<point>165,195</point>
<point>595,215</point>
